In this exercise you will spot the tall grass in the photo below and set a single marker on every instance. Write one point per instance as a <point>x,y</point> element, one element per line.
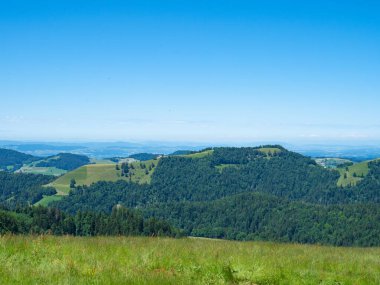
<point>138,260</point>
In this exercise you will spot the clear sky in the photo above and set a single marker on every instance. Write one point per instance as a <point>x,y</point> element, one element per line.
<point>190,70</point>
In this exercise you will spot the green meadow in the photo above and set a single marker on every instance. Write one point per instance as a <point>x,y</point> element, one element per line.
<point>142,260</point>
<point>141,172</point>
<point>198,154</point>
<point>268,150</point>
<point>352,174</point>
<point>46,200</point>
<point>31,168</point>
<point>86,175</point>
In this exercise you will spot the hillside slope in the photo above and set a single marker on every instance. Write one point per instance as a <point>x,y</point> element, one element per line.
<point>139,172</point>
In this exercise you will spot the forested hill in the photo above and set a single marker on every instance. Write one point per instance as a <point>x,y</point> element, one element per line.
<point>23,189</point>
<point>248,193</point>
<point>143,156</point>
<point>65,161</point>
<point>12,160</point>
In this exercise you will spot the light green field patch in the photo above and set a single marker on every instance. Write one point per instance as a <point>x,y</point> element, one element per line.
<point>269,150</point>
<point>33,169</point>
<point>331,162</point>
<point>142,170</point>
<point>92,173</point>
<point>359,170</point>
<point>41,170</point>
<point>146,260</point>
<point>199,154</point>
<point>101,161</point>
<point>86,175</point>
<point>46,200</point>
<point>221,167</point>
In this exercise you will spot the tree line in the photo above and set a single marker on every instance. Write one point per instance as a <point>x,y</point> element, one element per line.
<point>42,220</point>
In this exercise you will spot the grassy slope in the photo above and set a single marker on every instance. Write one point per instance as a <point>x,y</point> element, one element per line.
<point>268,150</point>
<point>101,161</point>
<point>358,168</point>
<point>92,173</point>
<point>220,167</point>
<point>32,168</point>
<point>86,175</point>
<point>120,260</point>
<point>198,154</point>
<point>139,175</point>
<point>48,199</point>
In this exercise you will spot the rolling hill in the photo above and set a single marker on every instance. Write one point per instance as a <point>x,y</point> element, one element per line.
<point>11,160</point>
<point>139,172</point>
<point>266,193</point>
<point>55,165</point>
<point>143,156</point>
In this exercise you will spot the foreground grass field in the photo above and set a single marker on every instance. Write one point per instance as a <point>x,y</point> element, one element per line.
<point>120,260</point>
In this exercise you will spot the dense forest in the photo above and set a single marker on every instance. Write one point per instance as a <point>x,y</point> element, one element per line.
<point>247,193</point>
<point>121,221</point>
<point>13,160</point>
<point>66,161</point>
<point>23,189</point>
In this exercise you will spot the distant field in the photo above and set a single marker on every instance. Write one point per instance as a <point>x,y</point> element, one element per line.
<point>201,154</point>
<point>360,169</point>
<point>48,199</point>
<point>268,150</point>
<point>221,167</point>
<point>198,154</point>
<point>88,174</point>
<point>41,170</point>
<point>137,260</point>
<point>102,161</point>
<point>331,162</point>
<point>32,168</point>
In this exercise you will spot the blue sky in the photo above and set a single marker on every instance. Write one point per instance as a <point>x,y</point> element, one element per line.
<point>214,71</point>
